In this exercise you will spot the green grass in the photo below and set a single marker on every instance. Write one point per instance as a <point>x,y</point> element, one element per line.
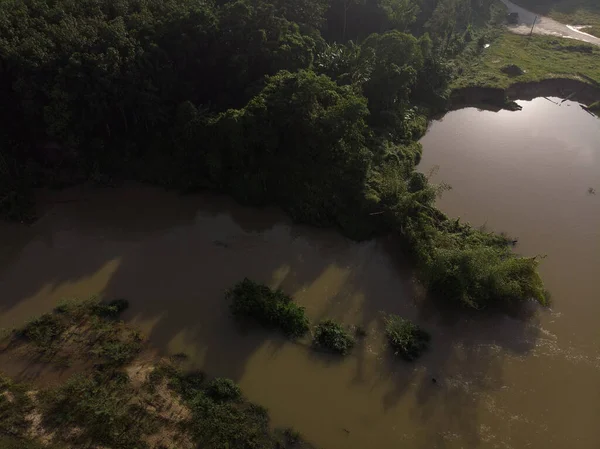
<point>333,337</point>
<point>570,12</point>
<point>540,57</point>
<point>86,327</point>
<point>407,339</point>
<point>270,308</point>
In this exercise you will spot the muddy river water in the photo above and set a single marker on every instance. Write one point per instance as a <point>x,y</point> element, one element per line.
<point>502,382</point>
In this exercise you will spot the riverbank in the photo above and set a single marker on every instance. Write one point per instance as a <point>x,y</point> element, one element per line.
<point>524,67</point>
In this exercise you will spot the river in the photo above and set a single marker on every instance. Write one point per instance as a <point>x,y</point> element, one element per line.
<point>502,382</point>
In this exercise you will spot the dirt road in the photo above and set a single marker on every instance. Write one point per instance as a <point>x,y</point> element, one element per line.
<point>545,25</point>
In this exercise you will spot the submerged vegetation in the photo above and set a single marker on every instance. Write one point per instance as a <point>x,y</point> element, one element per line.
<point>332,336</point>
<point>270,308</point>
<point>126,403</point>
<point>407,339</point>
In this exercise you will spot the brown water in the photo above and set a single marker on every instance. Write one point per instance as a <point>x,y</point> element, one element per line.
<point>501,382</point>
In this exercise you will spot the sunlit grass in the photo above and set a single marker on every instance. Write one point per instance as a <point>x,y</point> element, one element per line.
<point>571,12</point>
<point>540,57</point>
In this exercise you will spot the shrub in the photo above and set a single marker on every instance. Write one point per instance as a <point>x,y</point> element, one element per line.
<point>15,404</point>
<point>111,310</point>
<point>230,425</point>
<point>102,406</point>
<point>332,336</point>
<point>406,338</point>
<point>222,390</point>
<point>270,308</point>
<point>116,352</point>
<point>43,331</point>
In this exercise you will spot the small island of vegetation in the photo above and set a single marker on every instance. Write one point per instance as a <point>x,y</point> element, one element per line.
<point>121,396</point>
<point>269,308</point>
<point>407,339</point>
<point>331,336</point>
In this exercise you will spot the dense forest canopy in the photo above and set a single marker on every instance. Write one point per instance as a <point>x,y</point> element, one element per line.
<point>312,105</point>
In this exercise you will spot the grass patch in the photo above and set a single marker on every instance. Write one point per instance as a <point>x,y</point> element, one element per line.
<point>407,339</point>
<point>270,308</point>
<point>540,58</point>
<point>8,442</point>
<point>223,390</point>
<point>14,406</point>
<point>79,327</point>
<point>103,408</point>
<point>570,12</point>
<point>333,337</point>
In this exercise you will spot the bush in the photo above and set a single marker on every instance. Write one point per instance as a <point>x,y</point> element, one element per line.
<point>222,390</point>
<point>271,309</point>
<point>406,338</point>
<point>116,352</point>
<point>102,406</point>
<point>230,425</point>
<point>111,310</point>
<point>44,331</point>
<point>332,336</point>
<point>15,404</point>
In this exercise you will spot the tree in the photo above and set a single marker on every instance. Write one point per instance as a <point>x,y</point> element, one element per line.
<point>401,13</point>
<point>300,142</point>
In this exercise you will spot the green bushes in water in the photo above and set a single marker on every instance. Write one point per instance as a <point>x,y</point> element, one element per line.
<point>270,308</point>
<point>333,337</point>
<point>474,268</point>
<point>407,339</point>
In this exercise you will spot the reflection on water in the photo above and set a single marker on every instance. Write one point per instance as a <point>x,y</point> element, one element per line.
<point>533,174</point>
<point>501,382</point>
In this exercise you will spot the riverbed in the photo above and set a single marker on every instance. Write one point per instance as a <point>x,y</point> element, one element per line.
<point>501,381</point>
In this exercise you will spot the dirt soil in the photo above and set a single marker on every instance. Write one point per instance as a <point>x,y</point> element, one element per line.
<point>547,26</point>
